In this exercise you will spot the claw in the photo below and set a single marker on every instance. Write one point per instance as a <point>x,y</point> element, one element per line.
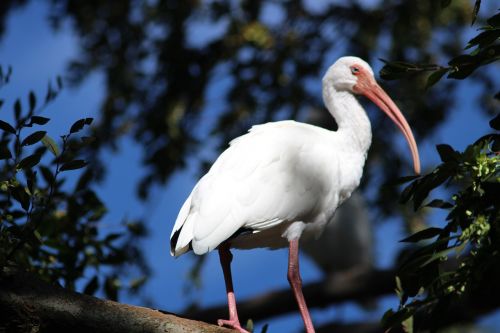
<point>234,324</point>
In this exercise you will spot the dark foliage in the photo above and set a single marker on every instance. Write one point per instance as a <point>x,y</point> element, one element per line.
<point>47,226</point>
<point>458,260</point>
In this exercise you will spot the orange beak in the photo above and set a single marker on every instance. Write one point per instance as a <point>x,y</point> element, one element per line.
<point>368,87</point>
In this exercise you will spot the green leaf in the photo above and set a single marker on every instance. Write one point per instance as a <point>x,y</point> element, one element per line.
<point>459,248</point>
<point>19,193</point>
<point>33,138</point>
<point>136,228</point>
<point>4,152</point>
<point>111,237</point>
<point>461,60</point>
<point>414,258</point>
<point>423,234</point>
<point>47,175</point>
<point>408,324</point>
<point>437,256</point>
<point>73,165</point>
<point>17,109</point>
<point>430,182</point>
<point>485,38</point>
<point>137,283</point>
<point>39,120</point>
<point>463,71</point>
<point>494,21</point>
<point>477,5</point>
<point>438,203</point>
<point>76,145</point>
<point>84,180</point>
<point>111,286</point>
<point>51,145</point>
<point>408,192</point>
<point>495,122</point>
<point>30,179</point>
<point>7,127</point>
<point>92,286</point>
<point>249,326</point>
<point>396,69</point>
<point>399,288</point>
<point>392,318</point>
<point>78,125</point>
<point>447,153</point>
<point>466,64</point>
<point>32,101</point>
<point>435,77</point>
<point>29,161</point>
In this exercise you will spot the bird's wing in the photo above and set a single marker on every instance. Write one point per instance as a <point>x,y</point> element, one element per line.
<point>182,232</point>
<point>274,173</point>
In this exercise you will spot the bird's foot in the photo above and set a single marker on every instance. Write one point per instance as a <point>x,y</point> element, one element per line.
<point>232,323</point>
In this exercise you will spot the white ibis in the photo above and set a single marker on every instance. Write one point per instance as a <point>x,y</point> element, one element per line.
<point>285,178</point>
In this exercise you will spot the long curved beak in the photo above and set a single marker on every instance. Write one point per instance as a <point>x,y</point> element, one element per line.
<point>377,95</point>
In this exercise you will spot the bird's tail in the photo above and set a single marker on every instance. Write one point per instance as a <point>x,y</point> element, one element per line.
<point>182,233</point>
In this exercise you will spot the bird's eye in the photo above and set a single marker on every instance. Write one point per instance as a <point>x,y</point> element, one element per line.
<point>354,70</point>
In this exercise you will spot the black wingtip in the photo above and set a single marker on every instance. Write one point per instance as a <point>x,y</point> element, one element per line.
<point>173,241</point>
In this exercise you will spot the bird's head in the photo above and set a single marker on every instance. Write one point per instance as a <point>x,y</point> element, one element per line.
<point>347,72</point>
<point>354,75</point>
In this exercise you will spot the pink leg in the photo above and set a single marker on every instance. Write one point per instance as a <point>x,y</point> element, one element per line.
<point>296,284</point>
<point>225,260</point>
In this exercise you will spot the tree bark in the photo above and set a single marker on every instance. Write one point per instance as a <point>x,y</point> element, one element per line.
<point>28,304</point>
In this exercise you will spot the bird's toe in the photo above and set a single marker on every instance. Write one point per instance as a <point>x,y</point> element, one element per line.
<point>234,324</point>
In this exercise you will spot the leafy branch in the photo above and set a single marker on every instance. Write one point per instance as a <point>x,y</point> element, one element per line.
<point>487,50</point>
<point>458,260</point>
<point>446,265</point>
<point>49,228</point>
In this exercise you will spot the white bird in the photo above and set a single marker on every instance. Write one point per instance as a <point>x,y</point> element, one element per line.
<point>285,178</point>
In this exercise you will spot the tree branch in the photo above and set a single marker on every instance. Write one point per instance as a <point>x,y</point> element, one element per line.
<point>27,302</point>
<point>335,289</point>
<point>354,327</point>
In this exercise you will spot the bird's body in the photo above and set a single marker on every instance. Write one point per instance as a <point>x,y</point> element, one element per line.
<point>276,180</point>
<point>285,178</point>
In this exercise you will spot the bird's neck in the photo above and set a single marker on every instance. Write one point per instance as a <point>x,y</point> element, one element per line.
<point>354,125</point>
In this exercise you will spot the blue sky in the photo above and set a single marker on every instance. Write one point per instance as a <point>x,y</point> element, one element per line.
<point>37,54</point>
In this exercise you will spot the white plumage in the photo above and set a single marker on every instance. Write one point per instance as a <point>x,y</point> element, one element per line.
<point>285,178</point>
<point>276,175</point>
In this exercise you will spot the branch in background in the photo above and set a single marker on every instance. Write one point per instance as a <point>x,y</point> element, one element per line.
<point>353,327</point>
<point>332,290</point>
<point>27,303</point>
